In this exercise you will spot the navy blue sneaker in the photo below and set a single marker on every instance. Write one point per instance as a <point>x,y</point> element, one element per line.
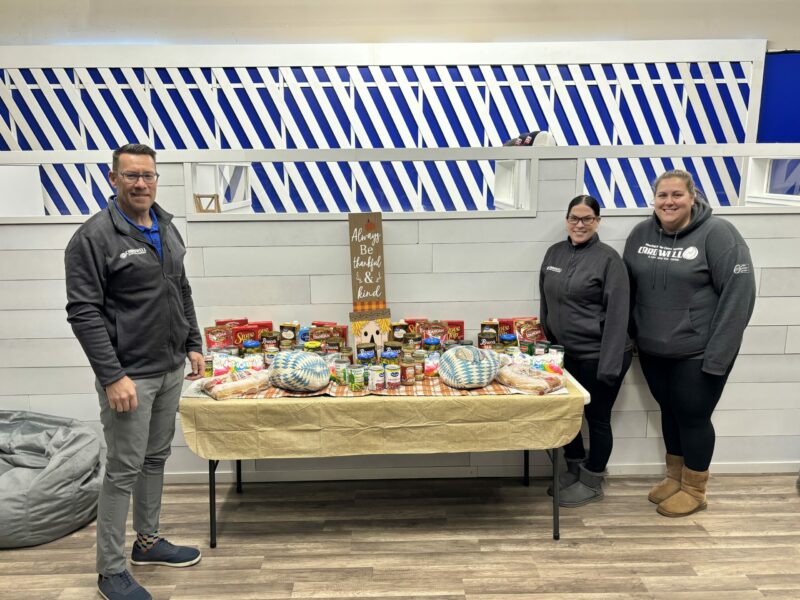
<point>121,586</point>
<point>166,554</point>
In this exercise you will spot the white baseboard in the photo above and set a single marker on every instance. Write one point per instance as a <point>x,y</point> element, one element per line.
<point>225,473</point>
<point>721,468</point>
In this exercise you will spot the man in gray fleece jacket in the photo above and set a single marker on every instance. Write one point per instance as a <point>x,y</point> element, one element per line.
<point>693,292</point>
<point>130,306</point>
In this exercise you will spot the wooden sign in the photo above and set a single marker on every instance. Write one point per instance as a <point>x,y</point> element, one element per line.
<point>370,320</point>
<point>366,261</point>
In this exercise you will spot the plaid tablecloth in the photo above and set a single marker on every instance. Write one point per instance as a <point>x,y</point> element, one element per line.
<point>427,387</point>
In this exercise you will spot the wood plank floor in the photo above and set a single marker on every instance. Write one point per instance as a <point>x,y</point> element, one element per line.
<point>484,539</point>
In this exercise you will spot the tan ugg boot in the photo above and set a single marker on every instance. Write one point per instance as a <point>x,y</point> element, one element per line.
<point>671,484</point>
<point>690,499</point>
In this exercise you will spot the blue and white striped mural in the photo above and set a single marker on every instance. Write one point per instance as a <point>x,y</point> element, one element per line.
<point>419,106</point>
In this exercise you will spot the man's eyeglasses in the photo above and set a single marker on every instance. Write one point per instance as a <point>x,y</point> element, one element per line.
<point>572,220</point>
<point>134,177</point>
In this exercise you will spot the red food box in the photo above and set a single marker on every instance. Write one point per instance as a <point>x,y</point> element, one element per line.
<point>230,322</point>
<point>321,334</point>
<point>262,327</point>
<point>455,329</point>
<point>434,329</point>
<point>504,326</point>
<point>218,338</point>
<point>413,322</point>
<point>507,325</point>
<point>244,333</point>
<point>341,331</point>
<point>528,330</point>
<point>338,330</point>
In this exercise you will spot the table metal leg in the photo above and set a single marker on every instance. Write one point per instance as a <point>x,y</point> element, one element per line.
<point>238,476</point>
<point>526,472</point>
<point>212,501</point>
<point>556,531</point>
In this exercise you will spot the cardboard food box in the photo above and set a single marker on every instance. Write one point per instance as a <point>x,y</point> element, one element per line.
<point>455,330</point>
<point>290,331</point>
<point>263,326</point>
<point>506,325</point>
<point>321,334</point>
<point>490,325</point>
<point>244,333</point>
<point>413,323</point>
<point>230,322</point>
<point>218,338</point>
<point>434,329</point>
<point>399,330</point>
<point>528,330</point>
<point>338,330</point>
<point>341,331</point>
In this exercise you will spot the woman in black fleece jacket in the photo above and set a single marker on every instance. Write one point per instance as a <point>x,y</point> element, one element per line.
<point>583,286</point>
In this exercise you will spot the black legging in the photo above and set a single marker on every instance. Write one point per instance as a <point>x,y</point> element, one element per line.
<point>687,397</point>
<point>598,412</point>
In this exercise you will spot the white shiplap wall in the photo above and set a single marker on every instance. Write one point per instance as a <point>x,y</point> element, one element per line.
<point>468,269</point>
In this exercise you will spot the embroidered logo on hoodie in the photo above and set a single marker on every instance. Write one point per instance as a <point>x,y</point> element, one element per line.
<point>668,253</point>
<point>132,252</point>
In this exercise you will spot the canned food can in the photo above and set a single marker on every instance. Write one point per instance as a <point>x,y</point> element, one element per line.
<point>269,356</point>
<point>355,378</point>
<point>270,339</point>
<point>208,370</point>
<point>419,365</point>
<point>377,378</point>
<point>340,371</point>
<point>392,377</point>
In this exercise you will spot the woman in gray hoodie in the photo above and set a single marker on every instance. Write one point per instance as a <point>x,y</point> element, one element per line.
<point>693,291</point>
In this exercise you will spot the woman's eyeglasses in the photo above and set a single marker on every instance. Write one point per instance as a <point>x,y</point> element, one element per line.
<point>572,220</point>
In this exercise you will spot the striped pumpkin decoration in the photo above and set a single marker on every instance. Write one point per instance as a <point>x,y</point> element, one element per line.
<point>466,367</point>
<point>299,372</point>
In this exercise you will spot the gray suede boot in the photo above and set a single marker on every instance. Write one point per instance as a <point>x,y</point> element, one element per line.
<point>588,488</point>
<point>568,477</point>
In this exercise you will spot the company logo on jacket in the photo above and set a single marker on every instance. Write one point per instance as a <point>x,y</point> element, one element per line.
<point>743,268</point>
<point>554,269</point>
<point>667,252</point>
<point>132,252</point>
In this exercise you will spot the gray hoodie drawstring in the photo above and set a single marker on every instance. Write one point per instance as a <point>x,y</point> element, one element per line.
<point>655,261</point>
<point>669,258</point>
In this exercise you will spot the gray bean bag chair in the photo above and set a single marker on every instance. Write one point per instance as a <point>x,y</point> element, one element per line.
<point>50,477</point>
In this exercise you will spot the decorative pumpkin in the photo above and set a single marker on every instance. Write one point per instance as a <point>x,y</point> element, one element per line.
<point>299,372</point>
<point>466,367</point>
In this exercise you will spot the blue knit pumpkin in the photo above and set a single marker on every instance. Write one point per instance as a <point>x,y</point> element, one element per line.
<point>299,372</point>
<point>466,367</point>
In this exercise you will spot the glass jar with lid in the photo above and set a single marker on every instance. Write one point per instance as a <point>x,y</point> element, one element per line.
<point>390,357</point>
<point>407,370</point>
<point>431,344</point>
